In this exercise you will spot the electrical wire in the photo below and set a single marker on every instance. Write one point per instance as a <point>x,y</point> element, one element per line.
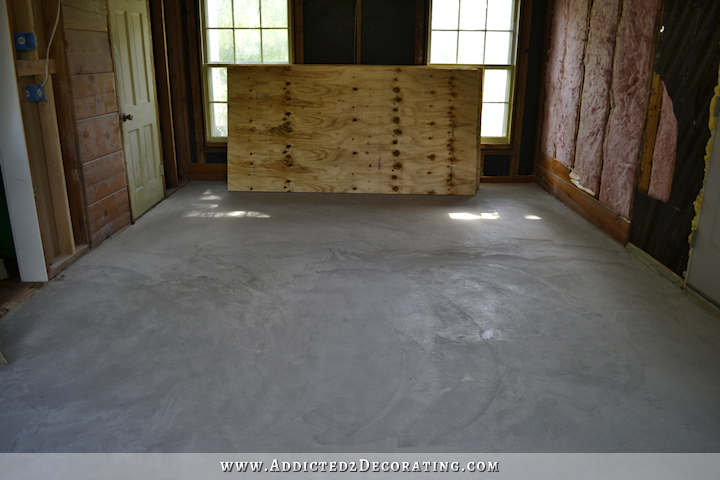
<point>52,35</point>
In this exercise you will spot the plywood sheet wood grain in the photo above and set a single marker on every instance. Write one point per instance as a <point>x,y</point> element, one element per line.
<point>362,129</point>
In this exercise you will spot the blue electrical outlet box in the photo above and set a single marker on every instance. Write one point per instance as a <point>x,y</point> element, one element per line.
<point>25,41</point>
<point>35,93</point>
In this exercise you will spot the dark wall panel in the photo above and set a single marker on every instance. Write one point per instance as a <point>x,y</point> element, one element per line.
<point>329,31</point>
<point>388,32</point>
<point>687,60</point>
<point>496,165</point>
<point>534,85</point>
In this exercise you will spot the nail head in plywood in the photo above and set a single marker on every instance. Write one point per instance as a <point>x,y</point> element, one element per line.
<point>340,119</point>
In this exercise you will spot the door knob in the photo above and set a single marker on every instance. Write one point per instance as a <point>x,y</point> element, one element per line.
<point>126,117</point>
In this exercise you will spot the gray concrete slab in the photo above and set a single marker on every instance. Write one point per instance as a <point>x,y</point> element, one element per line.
<point>225,322</point>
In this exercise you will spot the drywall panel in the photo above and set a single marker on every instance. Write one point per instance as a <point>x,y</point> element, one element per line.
<point>16,167</point>
<point>362,129</point>
<point>595,103</point>
<point>629,92</point>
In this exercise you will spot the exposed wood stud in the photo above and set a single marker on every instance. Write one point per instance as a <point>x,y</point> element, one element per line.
<point>652,122</point>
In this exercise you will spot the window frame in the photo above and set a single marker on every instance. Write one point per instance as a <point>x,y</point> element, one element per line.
<point>512,69</point>
<point>206,65</point>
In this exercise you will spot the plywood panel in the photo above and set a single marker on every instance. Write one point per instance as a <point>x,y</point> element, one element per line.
<point>312,128</point>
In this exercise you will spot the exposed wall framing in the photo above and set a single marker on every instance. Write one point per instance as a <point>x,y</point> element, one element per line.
<point>43,139</point>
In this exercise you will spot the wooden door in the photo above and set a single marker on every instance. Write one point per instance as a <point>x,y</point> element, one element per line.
<point>131,43</point>
<point>704,269</point>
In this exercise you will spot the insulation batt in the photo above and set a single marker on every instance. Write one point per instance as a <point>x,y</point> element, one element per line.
<point>663,161</point>
<point>554,75</point>
<point>594,104</point>
<point>631,70</point>
<point>567,118</point>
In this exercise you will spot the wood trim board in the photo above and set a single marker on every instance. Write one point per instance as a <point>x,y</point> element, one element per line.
<point>550,176</point>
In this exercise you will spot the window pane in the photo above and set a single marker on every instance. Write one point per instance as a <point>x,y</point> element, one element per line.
<point>217,84</point>
<point>443,47</point>
<point>248,46</point>
<point>494,120</point>
<point>497,48</point>
<point>471,48</point>
<point>220,46</point>
<point>495,86</point>
<point>247,13</point>
<point>445,14</point>
<point>472,14</point>
<point>500,15</point>
<point>218,119</point>
<point>219,13</point>
<point>275,46</point>
<point>274,14</point>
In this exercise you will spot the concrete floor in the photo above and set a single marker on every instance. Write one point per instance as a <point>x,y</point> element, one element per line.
<point>270,322</point>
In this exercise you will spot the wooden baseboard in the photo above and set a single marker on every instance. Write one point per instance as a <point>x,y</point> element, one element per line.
<point>60,263</point>
<point>212,172</point>
<point>25,291</point>
<point>651,262</point>
<point>509,179</point>
<point>549,173</point>
<point>702,299</point>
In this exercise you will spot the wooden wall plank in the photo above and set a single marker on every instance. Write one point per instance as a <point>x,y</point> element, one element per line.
<point>353,129</point>
<point>88,52</point>
<point>109,215</point>
<point>91,85</point>
<point>99,136</point>
<point>76,19</point>
<point>105,187</point>
<point>94,6</point>
<point>103,167</point>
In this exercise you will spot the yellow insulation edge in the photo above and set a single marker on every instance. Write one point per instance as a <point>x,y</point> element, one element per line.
<point>712,123</point>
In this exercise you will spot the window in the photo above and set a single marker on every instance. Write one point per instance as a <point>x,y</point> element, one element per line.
<point>483,33</point>
<point>238,32</point>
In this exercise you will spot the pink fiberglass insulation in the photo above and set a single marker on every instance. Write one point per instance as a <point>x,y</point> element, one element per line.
<point>572,81</point>
<point>663,161</point>
<point>594,104</point>
<point>631,70</point>
<point>554,75</point>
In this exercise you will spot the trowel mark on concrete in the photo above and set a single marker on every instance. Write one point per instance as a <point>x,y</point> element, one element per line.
<point>373,379</point>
